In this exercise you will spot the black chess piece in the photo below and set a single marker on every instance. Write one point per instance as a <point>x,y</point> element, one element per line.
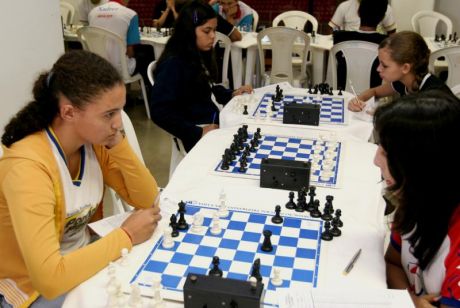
<point>253,146</point>
<point>181,223</point>
<point>173,225</point>
<point>329,200</point>
<point>309,88</point>
<point>299,207</point>
<point>225,165</point>
<point>335,231</point>
<point>242,168</point>
<point>257,133</point>
<point>327,215</point>
<point>234,149</point>
<point>243,161</point>
<point>277,219</point>
<point>436,38</point>
<point>315,89</point>
<point>255,141</point>
<point>311,194</point>
<point>245,131</point>
<point>247,150</point>
<point>315,212</point>
<point>255,272</point>
<point>245,111</point>
<point>215,271</point>
<point>340,91</point>
<point>291,204</point>
<point>338,213</point>
<point>443,37</point>
<point>267,243</point>
<point>326,235</point>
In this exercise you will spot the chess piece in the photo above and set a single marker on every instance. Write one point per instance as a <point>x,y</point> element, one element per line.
<point>255,272</point>
<point>311,194</point>
<point>253,282</point>
<point>215,271</point>
<point>338,213</point>
<point>277,219</point>
<point>168,241</point>
<point>182,223</point>
<point>315,212</point>
<point>257,133</point>
<point>197,225</point>
<point>135,299</point>
<point>340,91</point>
<point>267,244</point>
<point>276,279</point>
<point>335,231</point>
<point>215,225</point>
<point>223,211</point>
<point>245,111</point>
<point>300,206</point>
<point>326,235</point>
<point>224,165</point>
<point>157,299</point>
<point>290,204</point>
<point>124,257</point>
<point>173,225</point>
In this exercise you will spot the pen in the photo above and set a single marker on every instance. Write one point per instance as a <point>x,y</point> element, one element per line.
<point>214,117</point>
<point>353,89</point>
<point>352,262</point>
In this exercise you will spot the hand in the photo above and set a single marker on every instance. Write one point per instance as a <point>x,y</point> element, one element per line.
<point>426,301</point>
<point>243,89</point>
<point>141,224</point>
<point>114,140</point>
<point>356,105</point>
<point>170,4</point>
<point>208,128</point>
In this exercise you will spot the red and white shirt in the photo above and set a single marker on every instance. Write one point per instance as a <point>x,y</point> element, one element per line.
<point>442,276</point>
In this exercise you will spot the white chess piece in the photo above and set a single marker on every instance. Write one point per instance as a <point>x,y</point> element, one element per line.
<point>222,212</point>
<point>124,257</point>
<point>197,225</point>
<point>276,279</point>
<point>157,299</point>
<point>168,241</point>
<point>215,229</point>
<point>135,299</point>
<point>114,291</point>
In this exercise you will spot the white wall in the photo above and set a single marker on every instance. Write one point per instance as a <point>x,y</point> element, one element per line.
<point>32,41</point>
<point>403,10</point>
<point>450,8</point>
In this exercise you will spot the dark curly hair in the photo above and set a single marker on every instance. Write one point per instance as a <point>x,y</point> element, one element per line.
<point>78,75</point>
<point>419,134</point>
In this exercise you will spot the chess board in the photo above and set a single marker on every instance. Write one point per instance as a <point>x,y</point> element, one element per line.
<point>332,107</point>
<point>324,156</point>
<point>296,251</point>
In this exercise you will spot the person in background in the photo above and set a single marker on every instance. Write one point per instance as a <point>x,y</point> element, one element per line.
<point>403,59</point>
<point>414,133</point>
<point>184,99</point>
<point>235,12</point>
<point>346,18</point>
<point>371,13</point>
<point>85,7</point>
<point>58,153</point>
<point>166,12</point>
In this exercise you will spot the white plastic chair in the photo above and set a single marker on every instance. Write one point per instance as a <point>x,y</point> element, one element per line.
<point>452,58</point>
<point>454,89</point>
<point>111,198</point>
<point>425,23</point>
<point>255,20</point>
<point>296,20</point>
<point>224,42</point>
<point>282,40</point>
<point>177,148</point>
<point>113,48</point>
<point>359,56</point>
<point>67,12</point>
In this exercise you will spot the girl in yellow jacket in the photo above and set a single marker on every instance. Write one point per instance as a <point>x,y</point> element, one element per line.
<point>59,151</point>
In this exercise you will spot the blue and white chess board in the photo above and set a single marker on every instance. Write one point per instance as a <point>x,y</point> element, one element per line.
<point>332,107</point>
<point>296,251</point>
<point>323,155</point>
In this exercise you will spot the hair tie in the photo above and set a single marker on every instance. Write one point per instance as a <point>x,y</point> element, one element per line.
<point>195,17</point>
<point>48,78</point>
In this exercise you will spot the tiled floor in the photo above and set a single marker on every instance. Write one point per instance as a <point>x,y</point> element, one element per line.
<point>154,142</point>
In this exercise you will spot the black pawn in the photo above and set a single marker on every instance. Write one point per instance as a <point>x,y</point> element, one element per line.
<point>335,231</point>
<point>291,204</point>
<point>215,271</point>
<point>300,205</point>
<point>255,272</point>
<point>267,243</point>
<point>309,88</point>
<point>316,213</point>
<point>245,111</point>
<point>257,133</point>
<point>338,213</point>
<point>277,219</point>
<point>329,200</point>
<point>225,165</point>
<point>173,225</point>
<point>340,91</point>
<point>326,235</point>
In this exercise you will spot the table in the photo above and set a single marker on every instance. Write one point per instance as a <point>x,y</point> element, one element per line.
<point>359,198</point>
<point>232,114</point>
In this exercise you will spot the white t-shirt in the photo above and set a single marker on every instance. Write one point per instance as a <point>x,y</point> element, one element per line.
<point>346,17</point>
<point>82,195</point>
<point>85,7</point>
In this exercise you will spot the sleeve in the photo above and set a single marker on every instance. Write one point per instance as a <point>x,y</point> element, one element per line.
<point>32,196</point>
<point>127,175</point>
<point>167,102</point>
<point>336,21</point>
<point>222,94</point>
<point>388,21</point>
<point>395,241</point>
<point>223,26</point>
<point>133,36</point>
<point>450,289</point>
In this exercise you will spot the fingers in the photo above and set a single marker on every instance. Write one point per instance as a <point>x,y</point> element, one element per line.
<point>356,105</point>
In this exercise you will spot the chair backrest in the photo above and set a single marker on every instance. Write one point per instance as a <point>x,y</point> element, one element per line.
<point>150,70</point>
<point>67,12</point>
<point>452,56</point>
<point>255,20</point>
<point>224,42</point>
<point>425,23</point>
<point>282,40</point>
<point>296,20</point>
<point>359,56</point>
<point>108,45</point>
<point>454,89</point>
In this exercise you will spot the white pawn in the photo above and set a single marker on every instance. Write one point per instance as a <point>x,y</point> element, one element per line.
<point>276,279</point>
<point>135,300</point>
<point>222,212</point>
<point>157,299</point>
<point>124,257</point>
<point>197,225</point>
<point>215,229</point>
<point>168,241</point>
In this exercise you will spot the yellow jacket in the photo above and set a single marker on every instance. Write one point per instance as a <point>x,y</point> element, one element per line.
<point>32,215</point>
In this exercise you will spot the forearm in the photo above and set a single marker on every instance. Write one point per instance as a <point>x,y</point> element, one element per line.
<point>396,277</point>
<point>162,19</point>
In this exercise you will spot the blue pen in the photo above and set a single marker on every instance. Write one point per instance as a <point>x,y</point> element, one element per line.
<point>214,117</point>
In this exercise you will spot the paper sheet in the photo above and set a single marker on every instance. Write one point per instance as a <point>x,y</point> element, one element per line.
<point>105,226</point>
